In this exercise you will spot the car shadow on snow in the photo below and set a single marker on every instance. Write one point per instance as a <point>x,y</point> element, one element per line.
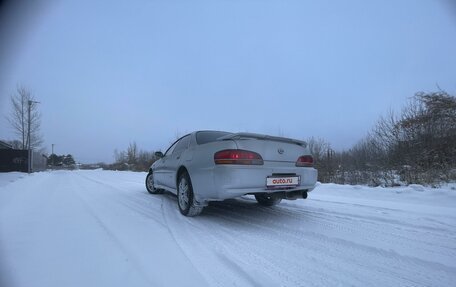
<point>244,210</point>
<point>245,207</point>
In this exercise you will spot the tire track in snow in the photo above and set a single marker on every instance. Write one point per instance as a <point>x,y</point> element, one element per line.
<point>321,240</point>
<point>443,226</point>
<point>292,270</point>
<point>318,217</point>
<point>111,235</point>
<point>222,242</point>
<point>138,202</point>
<point>307,241</point>
<point>225,272</point>
<point>391,235</point>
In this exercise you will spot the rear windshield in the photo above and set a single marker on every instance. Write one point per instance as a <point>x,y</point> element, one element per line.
<point>208,136</point>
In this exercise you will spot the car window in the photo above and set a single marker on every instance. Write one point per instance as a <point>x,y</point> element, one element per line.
<point>181,144</point>
<point>170,149</point>
<point>209,136</point>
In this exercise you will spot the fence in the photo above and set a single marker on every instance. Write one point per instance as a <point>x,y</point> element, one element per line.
<point>17,160</point>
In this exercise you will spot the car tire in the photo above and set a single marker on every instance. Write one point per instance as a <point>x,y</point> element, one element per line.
<point>185,196</point>
<point>267,199</point>
<point>150,184</point>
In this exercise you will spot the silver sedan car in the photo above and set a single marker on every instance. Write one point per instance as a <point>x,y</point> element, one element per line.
<point>209,166</point>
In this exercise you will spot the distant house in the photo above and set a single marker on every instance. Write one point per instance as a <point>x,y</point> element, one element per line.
<point>4,145</point>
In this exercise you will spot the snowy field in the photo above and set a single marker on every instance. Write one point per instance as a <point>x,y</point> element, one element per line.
<point>101,228</point>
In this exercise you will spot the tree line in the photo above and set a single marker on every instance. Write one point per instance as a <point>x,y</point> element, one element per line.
<point>132,159</point>
<point>61,160</point>
<point>418,145</point>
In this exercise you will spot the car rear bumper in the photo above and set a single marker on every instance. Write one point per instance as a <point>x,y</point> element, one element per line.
<point>235,180</point>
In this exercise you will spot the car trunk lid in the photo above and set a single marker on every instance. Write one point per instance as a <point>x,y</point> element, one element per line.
<point>271,148</point>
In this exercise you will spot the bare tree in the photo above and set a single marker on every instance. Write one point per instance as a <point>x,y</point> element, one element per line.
<point>132,153</point>
<point>20,118</point>
<point>318,147</point>
<point>132,159</point>
<point>386,131</point>
<point>120,157</point>
<point>418,144</point>
<point>324,157</point>
<point>428,136</point>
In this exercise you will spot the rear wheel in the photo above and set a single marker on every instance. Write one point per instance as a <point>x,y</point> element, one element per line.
<point>185,197</point>
<point>267,199</point>
<point>150,184</point>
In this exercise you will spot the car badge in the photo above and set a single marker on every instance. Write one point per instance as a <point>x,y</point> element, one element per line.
<point>280,151</point>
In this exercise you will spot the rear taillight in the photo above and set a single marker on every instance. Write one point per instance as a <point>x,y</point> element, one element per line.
<point>237,156</point>
<point>305,160</point>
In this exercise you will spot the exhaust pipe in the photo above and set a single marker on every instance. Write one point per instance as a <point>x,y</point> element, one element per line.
<point>293,195</point>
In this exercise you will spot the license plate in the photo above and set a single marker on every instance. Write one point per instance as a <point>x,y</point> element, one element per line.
<point>285,181</point>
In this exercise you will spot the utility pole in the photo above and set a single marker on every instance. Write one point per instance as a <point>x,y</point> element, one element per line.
<point>30,102</point>
<point>53,156</point>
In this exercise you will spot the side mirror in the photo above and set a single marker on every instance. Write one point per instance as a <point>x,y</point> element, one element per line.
<point>158,154</point>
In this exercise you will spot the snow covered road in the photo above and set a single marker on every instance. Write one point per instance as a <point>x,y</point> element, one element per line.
<point>101,228</point>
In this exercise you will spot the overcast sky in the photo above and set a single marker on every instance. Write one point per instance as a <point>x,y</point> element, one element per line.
<point>111,72</point>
